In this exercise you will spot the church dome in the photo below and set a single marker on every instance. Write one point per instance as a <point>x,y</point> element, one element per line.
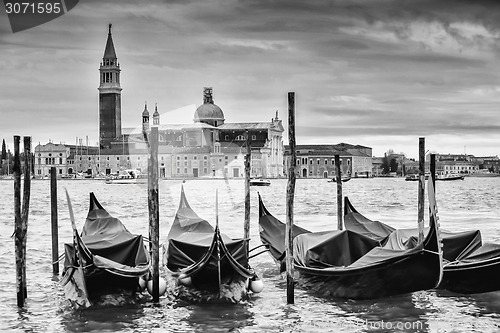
<point>208,112</point>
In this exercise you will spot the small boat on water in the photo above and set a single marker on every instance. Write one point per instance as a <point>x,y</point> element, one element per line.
<point>206,263</point>
<point>346,264</point>
<point>469,266</point>
<point>260,182</point>
<point>412,177</point>
<point>449,176</point>
<point>342,179</point>
<point>130,176</point>
<point>104,259</point>
<point>415,177</point>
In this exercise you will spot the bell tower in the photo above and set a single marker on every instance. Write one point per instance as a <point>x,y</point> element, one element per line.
<point>110,123</point>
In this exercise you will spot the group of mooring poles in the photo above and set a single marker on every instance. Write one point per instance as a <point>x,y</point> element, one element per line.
<point>21,210</point>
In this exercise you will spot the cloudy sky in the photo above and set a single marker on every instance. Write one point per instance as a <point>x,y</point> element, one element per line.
<point>379,73</point>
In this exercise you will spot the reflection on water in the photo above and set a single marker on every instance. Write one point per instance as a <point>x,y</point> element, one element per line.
<point>464,205</point>
<point>227,318</point>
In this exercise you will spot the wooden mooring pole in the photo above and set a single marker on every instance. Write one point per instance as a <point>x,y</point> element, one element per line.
<point>246,227</point>
<point>339,193</point>
<point>433,170</point>
<point>154,214</point>
<point>421,188</point>
<point>290,192</point>
<point>21,211</point>
<point>53,219</point>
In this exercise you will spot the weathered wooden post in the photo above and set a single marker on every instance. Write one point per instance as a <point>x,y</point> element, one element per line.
<point>53,219</point>
<point>246,227</point>
<point>433,170</point>
<point>21,215</point>
<point>18,240</point>
<point>154,214</point>
<point>290,192</point>
<point>26,202</point>
<point>421,188</point>
<point>339,192</point>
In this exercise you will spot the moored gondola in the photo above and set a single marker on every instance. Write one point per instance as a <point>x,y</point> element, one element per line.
<point>205,263</point>
<point>347,264</point>
<point>105,259</point>
<point>469,266</point>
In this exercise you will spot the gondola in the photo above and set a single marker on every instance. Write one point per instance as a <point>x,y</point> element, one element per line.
<point>469,266</point>
<point>104,259</point>
<point>343,179</point>
<point>205,263</point>
<point>347,264</point>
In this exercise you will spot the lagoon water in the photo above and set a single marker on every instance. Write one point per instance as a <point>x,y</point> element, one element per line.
<point>462,205</point>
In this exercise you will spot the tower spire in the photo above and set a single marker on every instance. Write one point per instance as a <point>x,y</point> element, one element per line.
<point>110,127</point>
<point>109,51</point>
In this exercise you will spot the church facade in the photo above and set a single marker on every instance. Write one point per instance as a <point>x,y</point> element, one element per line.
<point>209,147</point>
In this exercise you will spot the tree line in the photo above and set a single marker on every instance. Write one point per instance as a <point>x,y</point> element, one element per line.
<point>7,160</point>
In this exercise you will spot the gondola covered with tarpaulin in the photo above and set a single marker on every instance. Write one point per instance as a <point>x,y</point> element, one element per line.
<point>347,264</point>
<point>201,258</point>
<point>104,259</point>
<point>469,265</point>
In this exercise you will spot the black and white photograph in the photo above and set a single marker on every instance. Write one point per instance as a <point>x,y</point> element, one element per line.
<point>250,166</point>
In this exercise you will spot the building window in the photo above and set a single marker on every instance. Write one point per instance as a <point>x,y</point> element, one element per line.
<point>226,137</point>
<point>60,160</point>
<point>235,157</point>
<point>185,157</point>
<point>226,157</point>
<point>185,163</point>
<point>348,162</point>
<point>178,163</point>
<point>298,161</point>
<point>310,161</point>
<point>185,170</point>
<point>195,157</point>
<point>178,170</point>
<point>318,161</point>
<point>204,157</point>
<point>117,158</point>
<point>254,137</point>
<point>326,161</point>
<point>205,170</point>
<point>240,138</point>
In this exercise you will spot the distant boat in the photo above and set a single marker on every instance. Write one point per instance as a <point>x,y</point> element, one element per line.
<point>260,182</point>
<point>482,173</point>
<point>343,179</point>
<point>450,176</point>
<point>129,176</point>
<point>413,177</point>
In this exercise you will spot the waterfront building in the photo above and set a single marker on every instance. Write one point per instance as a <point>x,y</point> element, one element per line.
<point>208,147</point>
<point>318,161</point>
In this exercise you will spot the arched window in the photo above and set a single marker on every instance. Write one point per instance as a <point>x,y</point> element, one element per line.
<point>240,138</point>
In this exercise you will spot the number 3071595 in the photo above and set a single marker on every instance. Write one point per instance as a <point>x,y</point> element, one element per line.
<point>33,8</point>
